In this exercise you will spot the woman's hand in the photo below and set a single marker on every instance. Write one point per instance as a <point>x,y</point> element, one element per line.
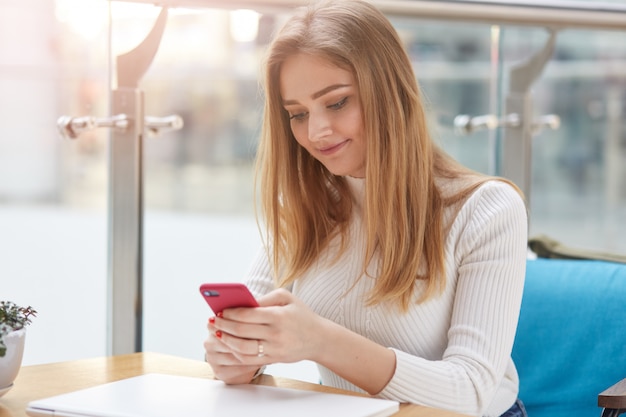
<point>225,365</point>
<point>241,340</point>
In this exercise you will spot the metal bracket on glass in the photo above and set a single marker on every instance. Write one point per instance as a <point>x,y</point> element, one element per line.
<point>465,124</point>
<point>72,127</point>
<point>125,283</point>
<point>517,143</point>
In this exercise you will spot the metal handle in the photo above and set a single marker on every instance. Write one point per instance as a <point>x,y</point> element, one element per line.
<point>71,127</point>
<point>549,121</point>
<point>157,124</point>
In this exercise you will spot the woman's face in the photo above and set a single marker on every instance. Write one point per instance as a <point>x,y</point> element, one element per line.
<point>325,113</point>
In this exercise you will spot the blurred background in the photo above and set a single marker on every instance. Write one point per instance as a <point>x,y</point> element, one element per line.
<point>58,58</point>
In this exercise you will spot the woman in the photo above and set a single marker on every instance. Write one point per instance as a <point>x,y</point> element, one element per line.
<point>397,270</point>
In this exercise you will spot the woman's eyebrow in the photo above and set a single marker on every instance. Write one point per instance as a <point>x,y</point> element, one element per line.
<point>318,94</point>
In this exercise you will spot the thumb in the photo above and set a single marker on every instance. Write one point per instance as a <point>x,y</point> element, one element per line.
<point>279,297</point>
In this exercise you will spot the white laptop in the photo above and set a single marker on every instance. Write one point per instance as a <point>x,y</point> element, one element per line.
<point>160,395</point>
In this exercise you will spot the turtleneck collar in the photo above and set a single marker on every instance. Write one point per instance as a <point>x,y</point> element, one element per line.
<point>357,187</point>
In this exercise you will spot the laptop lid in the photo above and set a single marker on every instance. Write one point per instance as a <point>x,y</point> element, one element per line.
<point>160,395</point>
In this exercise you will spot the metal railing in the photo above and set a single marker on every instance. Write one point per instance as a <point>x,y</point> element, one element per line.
<point>555,14</point>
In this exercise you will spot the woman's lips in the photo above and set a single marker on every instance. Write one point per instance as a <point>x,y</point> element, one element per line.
<point>334,148</point>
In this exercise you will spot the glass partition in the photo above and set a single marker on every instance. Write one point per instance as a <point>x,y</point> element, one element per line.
<point>53,192</point>
<point>578,193</point>
<point>457,69</point>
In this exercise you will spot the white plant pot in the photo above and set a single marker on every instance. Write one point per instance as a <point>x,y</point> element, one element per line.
<point>11,362</point>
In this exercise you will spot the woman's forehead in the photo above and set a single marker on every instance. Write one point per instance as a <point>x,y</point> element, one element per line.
<point>306,75</point>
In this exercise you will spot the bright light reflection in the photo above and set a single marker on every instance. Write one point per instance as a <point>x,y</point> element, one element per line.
<point>244,25</point>
<point>85,18</point>
<point>88,18</point>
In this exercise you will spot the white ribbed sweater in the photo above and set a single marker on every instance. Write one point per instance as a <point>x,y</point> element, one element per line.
<point>453,351</point>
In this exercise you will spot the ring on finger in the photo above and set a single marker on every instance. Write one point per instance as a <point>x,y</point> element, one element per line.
<point>260,350</point>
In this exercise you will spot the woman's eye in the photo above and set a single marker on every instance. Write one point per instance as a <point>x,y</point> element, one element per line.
<point>338,104</point>
<point>297,116</point>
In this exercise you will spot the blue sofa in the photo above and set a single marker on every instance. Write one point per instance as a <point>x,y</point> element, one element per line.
<point>571,339</point>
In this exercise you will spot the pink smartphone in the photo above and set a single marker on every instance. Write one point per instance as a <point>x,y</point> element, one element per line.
<point>227,295</point>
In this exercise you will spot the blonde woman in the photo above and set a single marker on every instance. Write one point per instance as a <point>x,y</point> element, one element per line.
<point>394,268</point>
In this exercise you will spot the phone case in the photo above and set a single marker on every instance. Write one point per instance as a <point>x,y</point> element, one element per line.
<point>227,295</point>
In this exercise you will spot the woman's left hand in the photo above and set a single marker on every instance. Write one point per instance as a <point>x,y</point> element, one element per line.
<point>282,329</point>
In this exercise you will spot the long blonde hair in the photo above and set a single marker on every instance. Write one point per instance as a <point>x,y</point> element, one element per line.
<point>304,206</point>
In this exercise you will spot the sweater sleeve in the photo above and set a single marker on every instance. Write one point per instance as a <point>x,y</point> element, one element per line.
<point>486,261</point>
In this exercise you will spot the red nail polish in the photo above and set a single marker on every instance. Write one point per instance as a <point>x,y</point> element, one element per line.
<point>218,334</point>
<point>211,320</point>
<point>220,314</point>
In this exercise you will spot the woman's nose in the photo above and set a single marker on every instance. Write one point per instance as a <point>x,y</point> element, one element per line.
<point>319,127</point>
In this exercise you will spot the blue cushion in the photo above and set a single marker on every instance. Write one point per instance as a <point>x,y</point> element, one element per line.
<point>571,337</point>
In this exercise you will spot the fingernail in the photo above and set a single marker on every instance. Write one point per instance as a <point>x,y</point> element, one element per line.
<point>211,320</point>
<point>220,314</point>
<point>218,334</point>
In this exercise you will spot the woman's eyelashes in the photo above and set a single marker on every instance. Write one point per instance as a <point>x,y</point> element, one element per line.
<point>338,105</point>
<point>335,106</point>
<point>298,116</point>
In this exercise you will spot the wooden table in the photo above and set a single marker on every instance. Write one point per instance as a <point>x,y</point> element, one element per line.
<point>40,381</point>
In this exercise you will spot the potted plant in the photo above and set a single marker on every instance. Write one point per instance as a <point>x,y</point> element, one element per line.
<point>13,320</point>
